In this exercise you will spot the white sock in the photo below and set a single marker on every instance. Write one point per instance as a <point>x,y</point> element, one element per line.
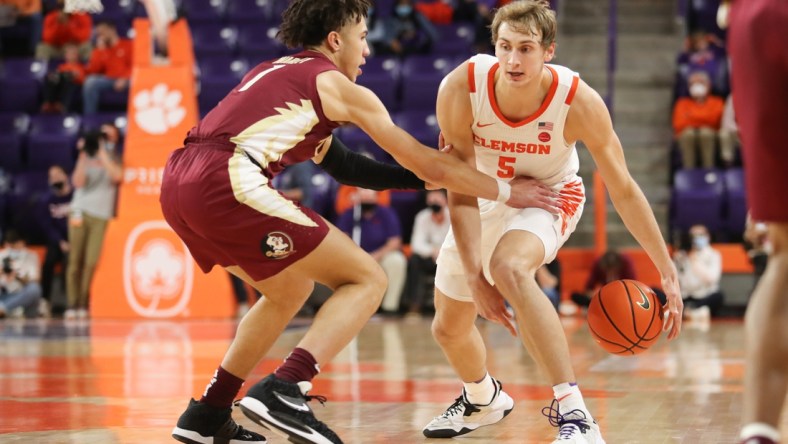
<point>569,398</point>
<point>482,392</point>
<point>759,429</point>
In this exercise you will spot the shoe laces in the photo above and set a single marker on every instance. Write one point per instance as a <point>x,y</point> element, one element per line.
<point>566,425</point>
<point>460,405</point>
<point>305,387</point>
<point>233,430</point>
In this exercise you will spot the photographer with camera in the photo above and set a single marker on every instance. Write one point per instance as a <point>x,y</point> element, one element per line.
<point>19,285</point>
<point>95,179</point>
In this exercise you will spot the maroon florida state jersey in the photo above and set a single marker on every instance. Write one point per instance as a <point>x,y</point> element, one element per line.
<point>274,114</point>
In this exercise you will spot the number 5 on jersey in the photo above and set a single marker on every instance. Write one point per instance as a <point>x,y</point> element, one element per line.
<point>506,167</point>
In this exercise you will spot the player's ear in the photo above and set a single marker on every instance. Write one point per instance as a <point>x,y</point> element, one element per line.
<point>333,41</point>
<point>549,52</point>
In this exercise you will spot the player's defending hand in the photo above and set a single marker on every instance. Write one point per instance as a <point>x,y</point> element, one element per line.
<point>490,304</point>
<point>531,193</point>
<point>675,305</point>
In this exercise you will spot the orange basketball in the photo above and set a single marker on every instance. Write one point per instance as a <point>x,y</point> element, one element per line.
<point>625,317</point>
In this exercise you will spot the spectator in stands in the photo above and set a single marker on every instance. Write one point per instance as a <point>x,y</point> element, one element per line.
<point>19,267</point>
<point>27,11</point>
<point>429,230</point>
<point>95,179</point>
<point>109,66</point>
<point>377,230</point>
<point>704,53</point>
<point>729,134</point>
<point>611,266</point>
<point>696,121</point>
<point>58,206</point>
<point>407,31</point>
<point>295,182</point>
<point>548,277</point>
<point>61,85</point>
<point>61,28</point>
<point>113,139</point>
<point>700,270</point>
<point>756,241</point>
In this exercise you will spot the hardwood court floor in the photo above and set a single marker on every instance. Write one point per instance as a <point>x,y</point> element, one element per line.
<point>106,382</point>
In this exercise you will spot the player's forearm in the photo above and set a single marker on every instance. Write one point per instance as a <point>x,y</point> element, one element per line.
<point>640,221</point>
<point>466,226</point>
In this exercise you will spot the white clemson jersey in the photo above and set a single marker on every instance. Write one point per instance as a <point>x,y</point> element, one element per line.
<point>533,147</point>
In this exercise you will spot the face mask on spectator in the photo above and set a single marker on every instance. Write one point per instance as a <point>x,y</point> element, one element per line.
<point>436,208</point>
<point>698,90</point>
<point>57,186</point>
<point>368,206</point>
<point>700,242</point>
<point>404,10</point>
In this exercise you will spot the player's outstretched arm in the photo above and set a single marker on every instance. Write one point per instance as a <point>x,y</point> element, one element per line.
<point>344,101</point>
<point>589,121</point>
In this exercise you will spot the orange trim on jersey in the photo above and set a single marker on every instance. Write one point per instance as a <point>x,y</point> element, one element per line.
<point>472,76</point>
<point>569,199</point>
<point>572,90</point>
<point>532,117</point>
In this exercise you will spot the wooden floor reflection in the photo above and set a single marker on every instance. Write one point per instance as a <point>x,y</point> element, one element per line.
<point>109,382</point>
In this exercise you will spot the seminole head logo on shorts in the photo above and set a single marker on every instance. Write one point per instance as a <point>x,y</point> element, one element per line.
<point>277,245</point>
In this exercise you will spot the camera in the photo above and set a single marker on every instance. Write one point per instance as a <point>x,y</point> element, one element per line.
<point>93,141</point>
<point>7,265</point>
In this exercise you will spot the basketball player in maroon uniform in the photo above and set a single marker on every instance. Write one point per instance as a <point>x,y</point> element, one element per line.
<point>217,196</point>
<point>757,39</point>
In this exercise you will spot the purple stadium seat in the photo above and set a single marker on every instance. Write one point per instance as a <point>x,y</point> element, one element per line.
<point>421,77</point>
<point>736,201</point>
<point>214,39</point>
<point>26,205</point>
<point>324,191</point>
<point>213,90</point>
<point>381,75</point>
<point>52,140</point>
<point>20,84</point>
<point>422,125</point>
<point>698,199</point>
<point>249,11</point>
<point>258,41</point>
<point>13,128</point>
<point>204,11</point>
<point>222,66</point>
<point>455,39</point>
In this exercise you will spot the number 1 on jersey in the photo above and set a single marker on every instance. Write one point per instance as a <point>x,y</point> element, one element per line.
<point>258,77</point>
<point>506,167</point>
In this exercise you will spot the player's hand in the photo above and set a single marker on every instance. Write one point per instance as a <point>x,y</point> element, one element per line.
<point>675,305</point>
<point>490,304</point>
<point>531,193</point>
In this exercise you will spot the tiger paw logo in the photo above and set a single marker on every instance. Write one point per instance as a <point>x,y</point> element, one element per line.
<point>157,272</point>
<point>158,109</point>
<point>277,245</point>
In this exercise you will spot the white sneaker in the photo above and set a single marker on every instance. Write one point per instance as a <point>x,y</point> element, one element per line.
<point>82,313</point>
<point>70,314</point>
<point>575,427</point>
<point>44,310</point>
<point>463,417</point>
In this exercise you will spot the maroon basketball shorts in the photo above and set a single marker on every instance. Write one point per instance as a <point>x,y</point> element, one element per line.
<point>223,207</point>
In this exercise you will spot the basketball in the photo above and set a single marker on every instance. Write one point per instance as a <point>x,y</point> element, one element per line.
<point>625,317</point>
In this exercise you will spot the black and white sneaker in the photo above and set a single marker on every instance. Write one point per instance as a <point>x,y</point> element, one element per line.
<point>282,407</point>
<point>463,417</point>
<point>205,424</point>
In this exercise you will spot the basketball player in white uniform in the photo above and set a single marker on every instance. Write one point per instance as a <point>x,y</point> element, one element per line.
<point>513,115</point>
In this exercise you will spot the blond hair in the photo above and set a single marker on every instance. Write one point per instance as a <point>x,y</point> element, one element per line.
<point>529,17</point>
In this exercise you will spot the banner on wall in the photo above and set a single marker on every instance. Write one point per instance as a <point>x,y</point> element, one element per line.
<point>145,270</point>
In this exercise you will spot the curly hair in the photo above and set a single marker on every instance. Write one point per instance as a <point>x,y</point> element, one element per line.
<point>527,16</point>
<point>305,23</point>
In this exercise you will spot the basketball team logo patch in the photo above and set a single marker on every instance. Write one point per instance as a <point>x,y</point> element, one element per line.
<point>544,137</point>
<point>277,245</point>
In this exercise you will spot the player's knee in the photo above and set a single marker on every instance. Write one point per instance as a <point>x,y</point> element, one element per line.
<point>374,281</point>
<point>509,274</point>
<point>444,331</point>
